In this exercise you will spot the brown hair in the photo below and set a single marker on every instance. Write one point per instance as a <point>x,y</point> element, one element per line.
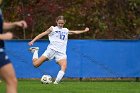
<point>60,18</point>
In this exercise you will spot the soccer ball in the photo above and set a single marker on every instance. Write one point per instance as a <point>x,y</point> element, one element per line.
<point>46,79</point>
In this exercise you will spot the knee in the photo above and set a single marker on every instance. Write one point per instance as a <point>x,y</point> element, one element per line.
<point>64,67</point>
<point>12,81</point>
<point>35,64</point>
<point>15,81</point>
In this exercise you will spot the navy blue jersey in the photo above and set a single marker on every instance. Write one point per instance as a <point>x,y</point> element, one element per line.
<point>1,29</point>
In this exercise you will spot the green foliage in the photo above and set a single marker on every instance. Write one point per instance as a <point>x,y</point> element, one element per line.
<point>107,19</point>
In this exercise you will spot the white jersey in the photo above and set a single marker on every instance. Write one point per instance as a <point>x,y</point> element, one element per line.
<point>58,39</point>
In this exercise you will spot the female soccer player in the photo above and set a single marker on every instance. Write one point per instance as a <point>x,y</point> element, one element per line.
<point>6,69</point>
<point>58,37</point>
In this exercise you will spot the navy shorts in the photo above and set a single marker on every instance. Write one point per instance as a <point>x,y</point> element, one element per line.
<point>3,58</point>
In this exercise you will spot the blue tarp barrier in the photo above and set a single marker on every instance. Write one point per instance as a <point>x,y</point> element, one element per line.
<point>86,58</point>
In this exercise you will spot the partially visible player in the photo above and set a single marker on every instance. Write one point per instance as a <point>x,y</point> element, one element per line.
<point>58,36</point>
<point>6,69</point>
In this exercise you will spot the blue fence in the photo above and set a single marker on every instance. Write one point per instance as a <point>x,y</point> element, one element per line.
<point>86,58</point>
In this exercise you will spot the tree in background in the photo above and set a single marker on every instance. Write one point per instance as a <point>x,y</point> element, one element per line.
<point>107,19</point>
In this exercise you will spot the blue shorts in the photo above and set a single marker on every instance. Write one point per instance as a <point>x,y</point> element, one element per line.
<point>3,58</point>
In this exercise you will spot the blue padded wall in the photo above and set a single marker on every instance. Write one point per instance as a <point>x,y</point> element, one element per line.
<point>86,58</point>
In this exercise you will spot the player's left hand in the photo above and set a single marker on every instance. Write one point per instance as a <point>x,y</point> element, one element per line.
<point>86,29</point>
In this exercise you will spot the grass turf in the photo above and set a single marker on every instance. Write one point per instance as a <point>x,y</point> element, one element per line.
<point>35,86</point>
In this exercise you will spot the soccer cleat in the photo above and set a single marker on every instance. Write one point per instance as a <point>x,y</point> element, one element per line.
<point>55,82</point>
<point>33,49</point>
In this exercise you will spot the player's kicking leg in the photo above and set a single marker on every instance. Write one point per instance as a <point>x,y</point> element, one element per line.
<point>37,61</point>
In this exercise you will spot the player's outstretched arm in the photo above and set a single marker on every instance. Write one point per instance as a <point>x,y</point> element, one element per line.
<point>11,25</point>
<point>6,36</point>
<point>79,31</point>
<point>40,36</point>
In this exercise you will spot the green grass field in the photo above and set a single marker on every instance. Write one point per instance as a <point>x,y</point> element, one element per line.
<point>34,86</point>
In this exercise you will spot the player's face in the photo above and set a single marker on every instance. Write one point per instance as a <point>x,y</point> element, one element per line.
<point>60,23</point>
<point>0,2</point>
